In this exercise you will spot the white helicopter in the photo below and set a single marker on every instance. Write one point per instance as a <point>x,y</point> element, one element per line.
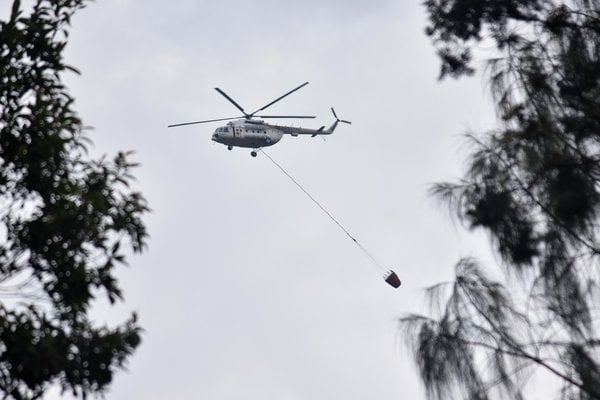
<point>255,133</point>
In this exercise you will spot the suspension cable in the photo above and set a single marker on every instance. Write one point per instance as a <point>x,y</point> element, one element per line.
<point>367,253</point>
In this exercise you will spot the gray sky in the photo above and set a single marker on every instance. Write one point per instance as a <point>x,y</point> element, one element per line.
<point>247,290</point>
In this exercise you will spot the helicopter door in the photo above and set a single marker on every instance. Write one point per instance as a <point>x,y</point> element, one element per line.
<point>237,132</point>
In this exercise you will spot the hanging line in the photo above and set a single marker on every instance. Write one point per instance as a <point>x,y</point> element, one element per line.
<point>367,253</point>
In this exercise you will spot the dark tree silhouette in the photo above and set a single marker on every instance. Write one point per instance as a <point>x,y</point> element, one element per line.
<point>533,185</point>
<point>63,220</point>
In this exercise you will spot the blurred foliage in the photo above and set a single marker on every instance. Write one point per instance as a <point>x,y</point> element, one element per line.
<point>533,185</point>
<point>64,220</point>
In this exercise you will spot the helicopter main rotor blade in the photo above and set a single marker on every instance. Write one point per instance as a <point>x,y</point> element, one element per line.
<point>202,122</point>
<point>279,98</point>
<point>231,100</point>
<point>285,116</point>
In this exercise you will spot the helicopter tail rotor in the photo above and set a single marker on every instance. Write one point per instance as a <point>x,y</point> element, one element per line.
<point>337,119</point>
<point>330,130</point>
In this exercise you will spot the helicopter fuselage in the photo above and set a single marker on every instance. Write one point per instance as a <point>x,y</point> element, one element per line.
<point>245,131</point>
<point>254,134</point>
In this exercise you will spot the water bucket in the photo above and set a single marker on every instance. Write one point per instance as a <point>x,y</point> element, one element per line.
<point>392,279</point>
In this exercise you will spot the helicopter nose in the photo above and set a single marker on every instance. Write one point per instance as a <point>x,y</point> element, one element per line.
<point>215,137</point>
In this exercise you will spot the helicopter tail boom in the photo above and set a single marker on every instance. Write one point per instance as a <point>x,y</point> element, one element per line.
<point>313,132</point>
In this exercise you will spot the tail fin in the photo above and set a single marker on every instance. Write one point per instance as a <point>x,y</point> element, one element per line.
<point>318,130</point>
<point>334,125</point>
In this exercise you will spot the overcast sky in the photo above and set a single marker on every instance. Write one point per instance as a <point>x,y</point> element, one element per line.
<point>247,290</point>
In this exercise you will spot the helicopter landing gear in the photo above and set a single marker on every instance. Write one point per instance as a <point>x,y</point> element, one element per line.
<point>253,153</point>
<point>229,147</point>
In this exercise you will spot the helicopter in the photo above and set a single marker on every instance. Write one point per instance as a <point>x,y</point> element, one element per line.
<point>250,131</point>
